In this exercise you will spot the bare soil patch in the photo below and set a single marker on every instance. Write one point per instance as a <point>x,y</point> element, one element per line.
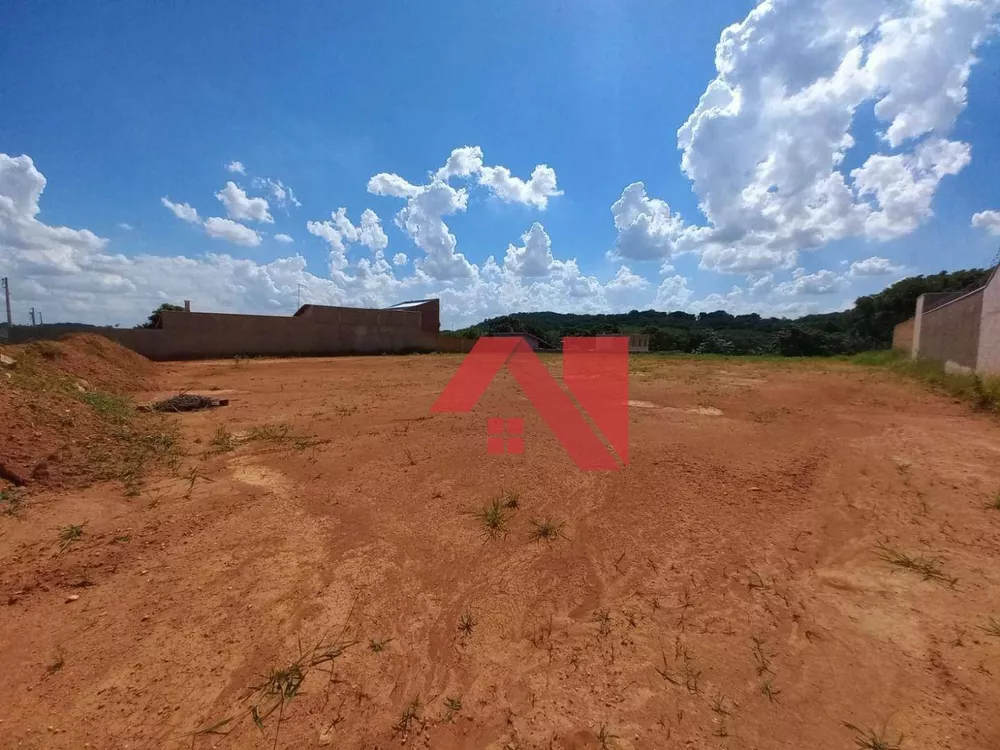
<point>813,565</point>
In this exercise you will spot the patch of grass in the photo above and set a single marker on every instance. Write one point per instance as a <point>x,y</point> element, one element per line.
<point>604,622</point>
<point>222,441</point>
<point>605,737</point>
<point>279,687</point>
<point>466,623</point>
<point>493,519</point>
<point>11,502</point>
<point>768,689</point>
<point>992,627</point>
<point>928,567</point>
<point>69,534</point>
<point>546,529</point>
<point>409,717</point>
<point>511,500</point>
<point>630,618</point>
<point>981,392</point>
<point>994,503</point>
<point>453,706</point>
<point>58,661</point>
<point>115,408</point>
<point>871,739</point>
<point>378,645</point>
<point>760,656</point>
<point>269,433</point>
<point>137,448</point>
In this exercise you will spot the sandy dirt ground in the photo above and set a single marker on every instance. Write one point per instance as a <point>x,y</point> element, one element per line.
<point>316,562</point>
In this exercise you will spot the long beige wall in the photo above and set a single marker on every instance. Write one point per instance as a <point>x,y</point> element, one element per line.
<point>950,333</point>
<point>989,329</point>
<point>902,336</point>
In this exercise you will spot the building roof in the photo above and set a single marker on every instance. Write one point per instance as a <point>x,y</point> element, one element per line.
<point>410,303</point>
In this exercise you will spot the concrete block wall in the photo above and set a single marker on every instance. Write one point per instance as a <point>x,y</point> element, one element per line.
<point>989,328</point>
<point>949,332</point>
<point>902,336</point>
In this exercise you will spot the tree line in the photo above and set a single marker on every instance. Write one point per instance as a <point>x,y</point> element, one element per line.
<point>867,325</point>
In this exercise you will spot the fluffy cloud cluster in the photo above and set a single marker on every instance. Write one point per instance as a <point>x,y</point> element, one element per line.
<point>240,207</point>
<point>988,221</point>
<point>422,218</point>
<point>765,147</point>
<point>765,150</point>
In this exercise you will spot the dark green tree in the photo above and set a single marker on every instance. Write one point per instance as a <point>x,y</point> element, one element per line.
<point>154,319</point>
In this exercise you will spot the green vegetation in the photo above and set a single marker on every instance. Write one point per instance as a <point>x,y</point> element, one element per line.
<point>868,325</point>
<point>546,529</point>
<point>928,567</point>
<point>116,408</point>
<point>982,392</point>
<point>69,534</point>
<point>871,739</point>
<point>154,318</point>
<point>493,518</point>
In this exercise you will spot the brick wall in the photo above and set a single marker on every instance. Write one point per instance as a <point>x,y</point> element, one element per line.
<point>902,336</point>
<point>950,332</point>
<point>989,328</point>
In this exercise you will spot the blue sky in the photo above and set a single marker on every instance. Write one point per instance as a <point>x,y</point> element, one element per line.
<point>118,109</point>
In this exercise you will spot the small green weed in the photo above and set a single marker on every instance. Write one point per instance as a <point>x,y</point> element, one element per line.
<point>453,706</point>
<point>466,623</point>
<point>992,627</point>
<point>928,567</point>
<point>546,529</point>
<point>11,502</point>
<point>604,622</point>
<point>494,519</point>
<point>69,534</point>
<point>222,441</point>
<point>378,645</point>
<point>110,406</point>
<point>58,661</point>
<point>605,737</point>
<point>510,499</point>
<point>871,739</point>
<point>409,717</point>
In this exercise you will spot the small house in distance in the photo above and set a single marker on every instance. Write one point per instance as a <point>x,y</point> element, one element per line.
<point>638,342</point>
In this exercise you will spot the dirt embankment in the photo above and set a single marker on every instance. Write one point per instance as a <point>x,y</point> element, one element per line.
<point>59,401</point>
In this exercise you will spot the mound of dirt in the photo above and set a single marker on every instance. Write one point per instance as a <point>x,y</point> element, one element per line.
<point>58,402</point>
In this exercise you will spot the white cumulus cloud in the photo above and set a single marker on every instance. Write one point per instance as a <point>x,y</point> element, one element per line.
<point>764,147</point>
<point>534,258</point>
<point>181,210</point>
<point>988,221</point>
<point>873,266</point>
<point>236,167</point>
<point>282,237</point>
<point>233,231</point>
<point>240,206</point>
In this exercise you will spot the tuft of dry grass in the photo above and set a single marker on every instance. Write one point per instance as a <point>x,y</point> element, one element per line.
<point>928,567</point>
<point>546,529</point>
<point>871,739</point>
<point>493,518</point>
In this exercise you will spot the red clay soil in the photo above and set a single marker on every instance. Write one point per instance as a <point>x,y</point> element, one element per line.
<point>794,548</point>
<point>46,429</point>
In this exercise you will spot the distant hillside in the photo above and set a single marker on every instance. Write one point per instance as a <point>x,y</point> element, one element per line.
<point>868,325</point>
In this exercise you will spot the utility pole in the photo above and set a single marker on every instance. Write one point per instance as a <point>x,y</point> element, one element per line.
<point>6,294</point>
<point>32,313</point>
<point>40,321</point>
